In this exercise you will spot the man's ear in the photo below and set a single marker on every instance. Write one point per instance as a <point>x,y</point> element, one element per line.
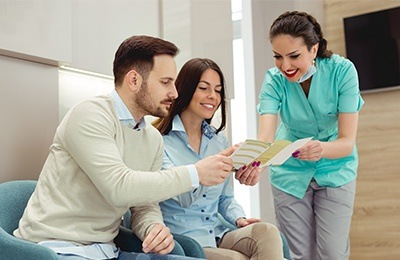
<point>133,80</point>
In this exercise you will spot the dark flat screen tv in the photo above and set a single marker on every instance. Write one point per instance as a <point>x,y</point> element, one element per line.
<point>373,45</point>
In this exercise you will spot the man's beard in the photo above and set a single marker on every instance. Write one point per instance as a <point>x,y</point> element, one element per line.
<point>145,101</point>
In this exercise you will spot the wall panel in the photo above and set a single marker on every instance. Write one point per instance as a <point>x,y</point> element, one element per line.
<point>36,30</point>
<point>98,28</point>
<point>375,230</point>
<point>29,116</point>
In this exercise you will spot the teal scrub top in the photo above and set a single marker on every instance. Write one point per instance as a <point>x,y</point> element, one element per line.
<point>334,89</point>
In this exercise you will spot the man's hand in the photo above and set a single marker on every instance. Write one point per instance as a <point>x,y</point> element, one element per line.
<point>214,170</point>
<point>229,151</point>
<point>159,240</point>
<point>249,175</point>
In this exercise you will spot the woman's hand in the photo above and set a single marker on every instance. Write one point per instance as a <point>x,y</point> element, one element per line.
<point>242,222</point>
<point>311,151</point>
<point>249,175</point>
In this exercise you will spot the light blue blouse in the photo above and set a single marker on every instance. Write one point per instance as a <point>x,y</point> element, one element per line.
<point>195,213</point>
<point>334,89</point>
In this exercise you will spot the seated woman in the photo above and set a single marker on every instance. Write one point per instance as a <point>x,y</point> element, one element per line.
<point>188,137</point>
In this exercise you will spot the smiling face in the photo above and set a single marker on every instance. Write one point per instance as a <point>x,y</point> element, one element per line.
<point>207,96</point>
<point>292,56</point>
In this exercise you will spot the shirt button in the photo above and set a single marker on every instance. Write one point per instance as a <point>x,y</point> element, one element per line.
<point>202,210</point>
<point>204,195</point>
<point>210,231</point>
<point>207,218</point>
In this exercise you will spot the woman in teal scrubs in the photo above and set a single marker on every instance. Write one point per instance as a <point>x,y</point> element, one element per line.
<point>316,94</point>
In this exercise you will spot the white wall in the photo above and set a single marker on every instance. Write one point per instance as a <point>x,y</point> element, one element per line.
<point>201,29</point>
<point>40,35</point>
<point>98,27</point>
<point>36,30</point>
<point>29,116</point>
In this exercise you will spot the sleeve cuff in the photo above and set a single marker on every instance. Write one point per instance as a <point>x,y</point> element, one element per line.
<point>194,176</point>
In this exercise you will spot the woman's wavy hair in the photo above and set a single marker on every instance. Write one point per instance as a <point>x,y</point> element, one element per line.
<point>186,83</point>
<point>300,24</point>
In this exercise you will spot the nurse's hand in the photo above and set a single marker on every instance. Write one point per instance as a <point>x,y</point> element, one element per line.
<point>311,151</point>
<point>249,175</point>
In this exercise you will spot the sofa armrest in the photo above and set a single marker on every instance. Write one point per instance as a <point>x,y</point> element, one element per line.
<point>15,248</point>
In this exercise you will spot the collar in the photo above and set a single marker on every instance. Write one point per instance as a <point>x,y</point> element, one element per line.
<point>207,130</point>
<point>123,113</point>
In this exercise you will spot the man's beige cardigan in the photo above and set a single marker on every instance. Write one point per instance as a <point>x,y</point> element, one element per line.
<point>96,170</point>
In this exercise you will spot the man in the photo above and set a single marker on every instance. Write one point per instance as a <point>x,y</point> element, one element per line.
<point>106,159</point>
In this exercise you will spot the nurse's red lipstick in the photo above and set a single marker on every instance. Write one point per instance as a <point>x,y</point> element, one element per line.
<point>291,73</point>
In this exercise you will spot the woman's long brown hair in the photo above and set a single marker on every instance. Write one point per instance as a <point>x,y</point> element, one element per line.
<point>186,83</point>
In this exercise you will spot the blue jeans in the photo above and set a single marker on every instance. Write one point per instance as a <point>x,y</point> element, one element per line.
<point>142,256</point>
<point>134,256</point>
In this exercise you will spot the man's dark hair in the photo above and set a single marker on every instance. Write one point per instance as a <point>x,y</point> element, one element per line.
<point>137,52</point>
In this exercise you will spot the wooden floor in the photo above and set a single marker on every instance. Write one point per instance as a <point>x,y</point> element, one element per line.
<point>375,231</point>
